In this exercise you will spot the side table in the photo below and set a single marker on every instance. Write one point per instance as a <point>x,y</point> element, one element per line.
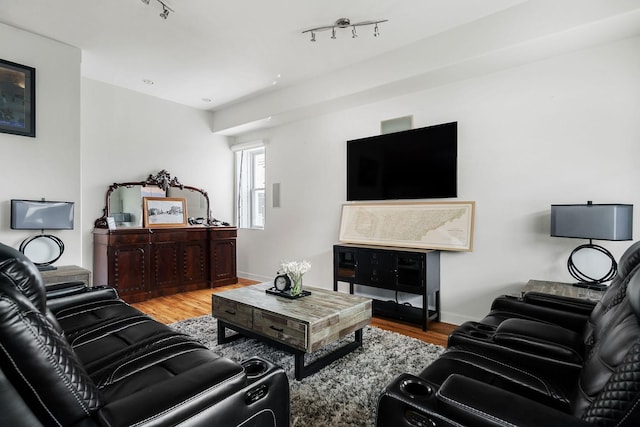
<point>66,273</point>
<point>562,289</point>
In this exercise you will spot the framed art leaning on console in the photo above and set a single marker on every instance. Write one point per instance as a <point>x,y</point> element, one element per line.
<point>165,212</point>
<point>17,99</point>
<point>444,226</point>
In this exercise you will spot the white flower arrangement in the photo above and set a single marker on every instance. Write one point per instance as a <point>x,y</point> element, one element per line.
<point>295,270</point>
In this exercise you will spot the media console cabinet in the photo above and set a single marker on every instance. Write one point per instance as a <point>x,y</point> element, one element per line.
<point>144,263</point>
<point>413,271</point>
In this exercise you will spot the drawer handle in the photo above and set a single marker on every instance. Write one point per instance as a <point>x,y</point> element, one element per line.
<point>276,329</point>
<point>233,313</point>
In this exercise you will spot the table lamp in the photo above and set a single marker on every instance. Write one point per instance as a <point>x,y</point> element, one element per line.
<point>593,222</point>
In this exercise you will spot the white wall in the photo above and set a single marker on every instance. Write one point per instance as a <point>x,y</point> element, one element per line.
<point>87,141</point>
<point>561,130</point>
<point>47,165</point>
<point>127,135</point>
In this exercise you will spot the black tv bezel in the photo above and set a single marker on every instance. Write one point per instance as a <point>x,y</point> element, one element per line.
<point>14,226</point>
<point>392,138</point>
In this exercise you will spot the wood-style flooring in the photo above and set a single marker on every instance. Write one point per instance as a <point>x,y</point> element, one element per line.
<point>183,306</point>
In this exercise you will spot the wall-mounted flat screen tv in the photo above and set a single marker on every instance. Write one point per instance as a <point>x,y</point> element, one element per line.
<point>41,215</point>
<point>413,164</point>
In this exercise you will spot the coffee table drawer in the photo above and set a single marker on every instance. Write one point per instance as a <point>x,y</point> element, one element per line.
<point>232,312</point>
<point>280,328</point>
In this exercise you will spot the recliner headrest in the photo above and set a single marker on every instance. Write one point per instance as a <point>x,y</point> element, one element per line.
<point>18,272</point>
<point>629,259</point>
<point>633,293</point>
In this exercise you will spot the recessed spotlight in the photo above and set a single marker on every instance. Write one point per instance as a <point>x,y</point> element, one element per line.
<point>148,82</point>
<point>206,99</point>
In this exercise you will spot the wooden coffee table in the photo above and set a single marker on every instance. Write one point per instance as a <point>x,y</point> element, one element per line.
<point>300,326</point>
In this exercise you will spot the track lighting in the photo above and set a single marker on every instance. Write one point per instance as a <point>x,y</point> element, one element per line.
<point>165,12</point>
<point>165,9</point>
<point>344,23</point>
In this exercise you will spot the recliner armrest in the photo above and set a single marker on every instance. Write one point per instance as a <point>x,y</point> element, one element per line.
<point>472,403</point>
<point>540,338</point>
<point>88,294</point>
<point>196,397</point>
<point>509,307</point>
<point>58,290</point>
<point>574,305</point>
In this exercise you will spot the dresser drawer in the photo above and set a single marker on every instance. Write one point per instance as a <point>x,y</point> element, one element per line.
<point>232,312</point>
<point>280,328</point>
<point>223,234</point>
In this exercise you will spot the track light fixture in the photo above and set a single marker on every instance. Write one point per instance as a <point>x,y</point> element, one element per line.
<point>344,23</point>
<point>165,12</point>
<point>165,9</point>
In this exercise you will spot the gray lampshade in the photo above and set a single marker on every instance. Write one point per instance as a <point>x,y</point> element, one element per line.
<point>599,222</point>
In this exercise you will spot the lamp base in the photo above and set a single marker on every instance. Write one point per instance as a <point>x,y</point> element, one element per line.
<point>585,280</point>
<point>594,286</point>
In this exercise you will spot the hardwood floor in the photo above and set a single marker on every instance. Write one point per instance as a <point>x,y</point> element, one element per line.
<point>182,306</point>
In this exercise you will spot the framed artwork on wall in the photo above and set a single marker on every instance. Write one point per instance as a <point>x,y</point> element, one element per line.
<point>165,212</point>
<point>17,99</point>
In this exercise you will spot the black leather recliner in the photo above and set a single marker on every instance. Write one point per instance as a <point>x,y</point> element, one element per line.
<point>86,358</point>
<point>547,327</point>
<point>533,373</point>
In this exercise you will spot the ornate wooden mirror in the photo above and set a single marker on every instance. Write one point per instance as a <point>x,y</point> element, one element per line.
<point>124,200</point>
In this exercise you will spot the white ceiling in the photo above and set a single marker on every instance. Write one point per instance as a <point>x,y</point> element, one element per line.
<point>251,60</point>
<point>230,50</point>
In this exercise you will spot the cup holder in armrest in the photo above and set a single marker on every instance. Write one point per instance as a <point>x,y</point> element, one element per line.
<point>481,335</point>
<point>483,327</point>
<point>254,367</point>
<point>415,388</point>
<point>472,332</point>
<point>476,330</point>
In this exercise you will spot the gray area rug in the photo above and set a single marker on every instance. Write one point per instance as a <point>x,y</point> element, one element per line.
<point>344,393</point>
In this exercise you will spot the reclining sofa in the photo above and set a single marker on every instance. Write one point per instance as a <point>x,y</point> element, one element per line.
<point>539,360</point>
<point>82,357</point>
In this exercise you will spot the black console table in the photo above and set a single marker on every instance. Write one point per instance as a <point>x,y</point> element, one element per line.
<point>414,271</point>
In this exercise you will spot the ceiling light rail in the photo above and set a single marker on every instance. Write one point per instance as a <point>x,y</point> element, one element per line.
<point>344,23</point>
<point>165,9</point>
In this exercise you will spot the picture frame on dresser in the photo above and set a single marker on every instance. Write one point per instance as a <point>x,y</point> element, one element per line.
<point>164,212</point>
<point>17,99</point>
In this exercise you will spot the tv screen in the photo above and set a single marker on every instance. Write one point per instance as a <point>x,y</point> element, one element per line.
<point>413,164</point>
<point>41,215</point>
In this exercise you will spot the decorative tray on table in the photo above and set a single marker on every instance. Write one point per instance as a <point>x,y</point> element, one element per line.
<point>287,293</point>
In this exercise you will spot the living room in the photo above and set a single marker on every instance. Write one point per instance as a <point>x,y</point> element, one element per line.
<point>545,95</point>
<point>549,118</point>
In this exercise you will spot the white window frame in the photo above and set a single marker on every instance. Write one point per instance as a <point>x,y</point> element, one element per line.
<point>249,214</point>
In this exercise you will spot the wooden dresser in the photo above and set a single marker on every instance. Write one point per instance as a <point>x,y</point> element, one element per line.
<point>144,263</point>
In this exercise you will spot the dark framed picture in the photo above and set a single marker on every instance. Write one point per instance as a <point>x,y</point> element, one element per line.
<point>17,99</point>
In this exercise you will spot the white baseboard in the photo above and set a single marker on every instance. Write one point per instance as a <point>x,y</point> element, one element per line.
<point>249,276</point>
<point>455,318</point>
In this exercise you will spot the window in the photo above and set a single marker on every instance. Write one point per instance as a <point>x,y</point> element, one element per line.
<point>250,186</point>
